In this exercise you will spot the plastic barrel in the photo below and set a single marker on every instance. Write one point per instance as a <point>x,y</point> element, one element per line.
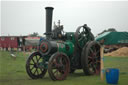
<point>112,75</point>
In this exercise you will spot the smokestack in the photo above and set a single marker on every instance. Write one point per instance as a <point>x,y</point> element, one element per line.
<point>49,11</point>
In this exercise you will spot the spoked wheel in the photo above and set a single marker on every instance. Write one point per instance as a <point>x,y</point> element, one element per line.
<point>33,67</point>
<point>59,66</point>
<point>82,35</point>
<point>91,58</point>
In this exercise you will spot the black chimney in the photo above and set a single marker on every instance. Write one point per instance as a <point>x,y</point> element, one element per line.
<point>49,11</point>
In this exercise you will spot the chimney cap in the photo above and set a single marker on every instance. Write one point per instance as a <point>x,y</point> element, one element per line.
<point>49,8</point>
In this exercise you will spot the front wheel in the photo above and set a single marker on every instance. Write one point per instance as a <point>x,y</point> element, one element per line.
<point>33,68</point>
<point>58,66</point>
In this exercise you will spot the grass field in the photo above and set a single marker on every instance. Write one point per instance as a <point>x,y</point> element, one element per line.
<point>12,72</point>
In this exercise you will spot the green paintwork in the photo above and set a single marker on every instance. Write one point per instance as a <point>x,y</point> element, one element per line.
<point>70,37</point>
<point>70,42</point>
<point>62,47</point>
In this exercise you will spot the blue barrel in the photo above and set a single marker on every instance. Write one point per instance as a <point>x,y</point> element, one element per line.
<point>112,75</point>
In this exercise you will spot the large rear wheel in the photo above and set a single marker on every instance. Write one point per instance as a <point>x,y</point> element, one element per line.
<point>59,66</point>
<point>90,59</point>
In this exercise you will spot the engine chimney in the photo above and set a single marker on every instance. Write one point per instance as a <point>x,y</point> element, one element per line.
<point>49,11</point>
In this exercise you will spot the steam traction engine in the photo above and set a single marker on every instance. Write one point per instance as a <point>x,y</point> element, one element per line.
<point>62,53</point>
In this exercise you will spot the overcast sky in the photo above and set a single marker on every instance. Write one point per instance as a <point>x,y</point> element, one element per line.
<point>25,17</point>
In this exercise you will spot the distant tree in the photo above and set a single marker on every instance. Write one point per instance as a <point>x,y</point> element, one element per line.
<point>34,34</point>
<point>112,30</point>
<point>109,30</point>
<point>102,32</point>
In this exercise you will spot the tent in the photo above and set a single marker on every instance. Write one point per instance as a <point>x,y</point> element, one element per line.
<point>113,38</point>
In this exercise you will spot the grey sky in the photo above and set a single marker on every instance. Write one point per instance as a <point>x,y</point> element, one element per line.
<point>25,17</point>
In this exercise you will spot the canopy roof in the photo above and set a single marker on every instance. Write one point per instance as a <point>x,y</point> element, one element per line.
<point>112,38</point>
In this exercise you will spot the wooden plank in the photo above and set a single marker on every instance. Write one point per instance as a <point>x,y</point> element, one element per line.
<point>102,63</point>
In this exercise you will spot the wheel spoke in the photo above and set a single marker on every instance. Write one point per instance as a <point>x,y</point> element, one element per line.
<point>55,71</point>
<point>90,58</point>
<point>41,69</point>
<point>89,61</point>
<point>91,50</point>
<point>31,64</point>
<point>55,64</point>
<point>95,65</point>
<point>94,68</point>
<point>32,68</point>
<point>89,64</point>
<point>33,61</point>
<point>35,71</point>
<point>95,57</point>
<point>36,58</point>
<point>57,74</point>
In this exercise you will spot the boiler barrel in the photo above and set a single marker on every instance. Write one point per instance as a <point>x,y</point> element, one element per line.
<point>50,47</point>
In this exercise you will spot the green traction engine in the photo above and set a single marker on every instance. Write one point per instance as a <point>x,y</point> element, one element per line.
<point>62,52</point>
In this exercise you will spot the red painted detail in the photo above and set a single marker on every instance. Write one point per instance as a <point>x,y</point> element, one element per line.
<point>46,47</point>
